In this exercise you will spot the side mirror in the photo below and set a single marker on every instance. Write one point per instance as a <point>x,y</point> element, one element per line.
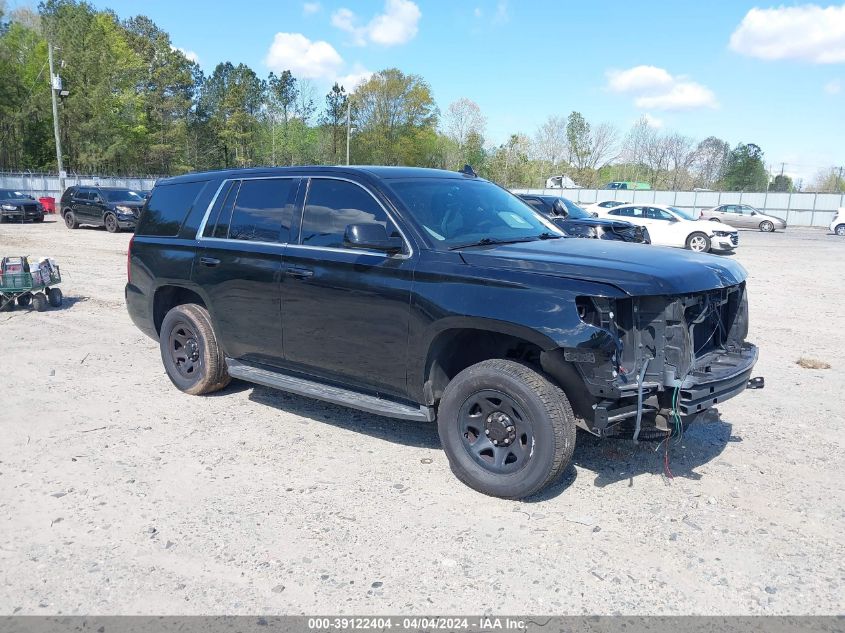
<point>560,209</point>
<point>753,213</point>
<point>98,199</point>
<point>371,235</point>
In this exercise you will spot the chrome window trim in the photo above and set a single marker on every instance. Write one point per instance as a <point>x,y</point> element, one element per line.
<point>405,239</point>
<point>361,251</point>
<point>199,236</point>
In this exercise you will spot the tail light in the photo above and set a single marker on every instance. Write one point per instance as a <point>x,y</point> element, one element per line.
<point>129,260</point>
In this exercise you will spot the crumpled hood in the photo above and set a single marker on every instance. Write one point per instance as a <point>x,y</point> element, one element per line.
<point>636,269</point>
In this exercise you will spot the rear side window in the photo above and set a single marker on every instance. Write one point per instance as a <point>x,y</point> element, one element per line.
<point>334,204</point>
<point>264,210</point>
<point>168,207</point>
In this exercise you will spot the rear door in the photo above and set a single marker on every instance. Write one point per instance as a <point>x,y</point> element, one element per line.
<point>346,311</point>
<point>239,265</point>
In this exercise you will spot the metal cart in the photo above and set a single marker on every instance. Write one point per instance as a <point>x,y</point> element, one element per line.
<point>26,288</point>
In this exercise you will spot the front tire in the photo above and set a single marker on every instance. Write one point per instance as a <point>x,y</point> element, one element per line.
<point>508,431</point>
<point>767,227</point>
<point>190,352</point>
<point>54,296</point>
<point>111,223</point>
<point>698,242</point>
<point>70,220</point>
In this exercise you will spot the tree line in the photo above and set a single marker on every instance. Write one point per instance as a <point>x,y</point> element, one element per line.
<point>138,105</point>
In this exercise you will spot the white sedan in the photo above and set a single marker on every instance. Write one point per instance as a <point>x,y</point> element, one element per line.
<point>670,226</point>
<point>838,224</point>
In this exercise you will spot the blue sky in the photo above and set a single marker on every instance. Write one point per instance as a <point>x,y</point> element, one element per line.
<point>779,83</point>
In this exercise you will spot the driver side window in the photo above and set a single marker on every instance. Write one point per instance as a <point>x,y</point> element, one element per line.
<point>331,205</point>
<point>653,213</point>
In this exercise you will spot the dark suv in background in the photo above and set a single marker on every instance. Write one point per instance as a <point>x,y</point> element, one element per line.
<point>430,295</point>
<point>578,222</point>
<point>17,206</point>
<point>115,208</point>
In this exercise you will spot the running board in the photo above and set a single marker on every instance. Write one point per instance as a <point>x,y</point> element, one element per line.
<point>328,393</point>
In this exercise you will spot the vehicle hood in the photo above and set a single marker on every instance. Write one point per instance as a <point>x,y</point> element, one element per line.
<point>635,269</point>
<point>128,203</point>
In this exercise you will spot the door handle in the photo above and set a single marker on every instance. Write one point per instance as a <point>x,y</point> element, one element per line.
<point>209,261</point>
<point>299,273</point>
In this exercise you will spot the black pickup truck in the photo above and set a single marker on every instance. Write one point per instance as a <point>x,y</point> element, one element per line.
<point>432,295</point>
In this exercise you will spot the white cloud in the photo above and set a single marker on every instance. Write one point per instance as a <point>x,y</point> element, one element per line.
<point>655,88</point>
<point>833,87</point>
<point>501,16</point>
<point>637,78</point>
<point>191,55</point>
<point>653,121</point>
<point>304,58</point>
<point>478,12</point>
<point>808,33</point>
<point>397,25</point>
<point>310,8</point>
<point>684,95</point>
<point>354,79</point>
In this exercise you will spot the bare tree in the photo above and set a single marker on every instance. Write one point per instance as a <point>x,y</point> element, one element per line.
<point>463,117</point>
<point>711,156</point>
<point>681,155</point>
<point>550,140</point>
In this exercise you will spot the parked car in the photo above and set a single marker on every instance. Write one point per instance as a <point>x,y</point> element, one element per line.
<point>576,222</point>
<point>838,223</point>
<point>431,295</point>
<point>744,216</point>
<point>115,208</point>
<point>596,207</point>
<point>627,184</point>
<point>671,226</point>
<point>561,182</point>
<point>17,206</point>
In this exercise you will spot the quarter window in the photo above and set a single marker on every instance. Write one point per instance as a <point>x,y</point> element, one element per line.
<point>334,204</point>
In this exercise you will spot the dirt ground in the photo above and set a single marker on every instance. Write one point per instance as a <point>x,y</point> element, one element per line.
<point>121,495</point>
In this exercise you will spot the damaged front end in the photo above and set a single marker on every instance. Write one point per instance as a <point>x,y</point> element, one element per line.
<point>654,360</point>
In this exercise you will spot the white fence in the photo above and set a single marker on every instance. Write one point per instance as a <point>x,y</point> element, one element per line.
<point>798,209</point>
<point>40,184</point>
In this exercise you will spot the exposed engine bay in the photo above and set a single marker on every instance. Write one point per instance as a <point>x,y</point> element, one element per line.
<point>657,360</point>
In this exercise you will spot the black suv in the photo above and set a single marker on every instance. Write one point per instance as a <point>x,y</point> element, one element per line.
<point>115,208</point>
<point>431,295</point>
<point>576,222</point>
<point>17,206</point>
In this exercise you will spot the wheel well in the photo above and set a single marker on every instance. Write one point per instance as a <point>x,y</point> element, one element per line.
<point>168,297</point>
<point>452,351</point>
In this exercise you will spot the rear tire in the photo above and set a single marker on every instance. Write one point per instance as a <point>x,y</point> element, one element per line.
<point>190,352</point>
<point>840,230</point>
<point>698,242</point>
<point>767,227</point>
<point>39,302</point>
<point>70,220</point>
<point>508,431</point>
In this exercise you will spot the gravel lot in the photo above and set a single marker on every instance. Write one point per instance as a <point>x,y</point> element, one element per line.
<point>121,495</point>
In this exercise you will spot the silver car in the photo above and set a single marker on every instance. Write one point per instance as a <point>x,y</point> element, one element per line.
<point>743,216</point>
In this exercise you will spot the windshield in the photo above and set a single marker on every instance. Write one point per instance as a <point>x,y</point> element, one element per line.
<point>454,212</point>
<point>10,194</point>
<point>685,214</point>
<point>575,212</point>
<point>122,195</point>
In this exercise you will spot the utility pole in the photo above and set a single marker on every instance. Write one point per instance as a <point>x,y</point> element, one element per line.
<point>348,126</point>
<point>53,89</point>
